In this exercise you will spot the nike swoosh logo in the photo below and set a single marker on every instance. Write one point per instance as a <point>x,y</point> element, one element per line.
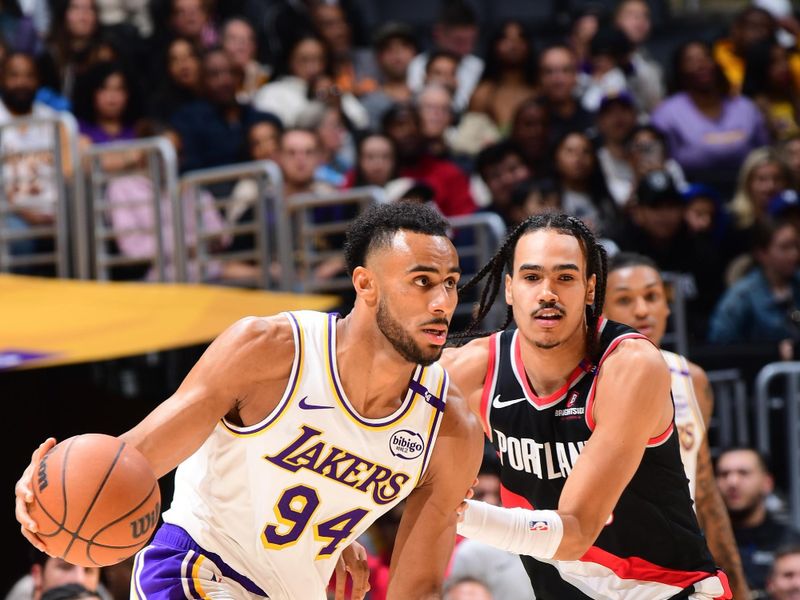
<point>497,403</point>
<point>306,406</point>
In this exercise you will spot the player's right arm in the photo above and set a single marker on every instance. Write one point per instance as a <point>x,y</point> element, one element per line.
<point>254,353</point>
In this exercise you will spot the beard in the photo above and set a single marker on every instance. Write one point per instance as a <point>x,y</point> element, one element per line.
<point>19,102</point>
<point>401,341</point>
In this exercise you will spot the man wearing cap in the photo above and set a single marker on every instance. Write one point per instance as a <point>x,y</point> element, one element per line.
<point>616,119</point>
<point>395,48</point>
<point>656,228</point>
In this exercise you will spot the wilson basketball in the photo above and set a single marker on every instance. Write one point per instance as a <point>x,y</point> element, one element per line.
<point>96,500</point>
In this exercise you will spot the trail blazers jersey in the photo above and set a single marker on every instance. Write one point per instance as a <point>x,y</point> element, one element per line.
<point>279,500</point>
<point>651,548</point>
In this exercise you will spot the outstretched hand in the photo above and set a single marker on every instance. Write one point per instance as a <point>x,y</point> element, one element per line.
<point>353,560</point>
<point>24,496</point>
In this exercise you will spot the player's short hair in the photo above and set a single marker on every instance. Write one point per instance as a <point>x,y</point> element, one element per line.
<point>376,226</point>
<point>623,260</point>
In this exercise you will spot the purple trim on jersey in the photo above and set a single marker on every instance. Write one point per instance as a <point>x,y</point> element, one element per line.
<point>160,576</point>
<point>432,432</point>
<point>342,398</point>
<point>429,396</point>
<point>683,372</point>
<point>287,394</point>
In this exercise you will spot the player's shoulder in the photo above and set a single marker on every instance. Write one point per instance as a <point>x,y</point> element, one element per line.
<point>255,334</point>
<point>632,353</point>
<point>258,345</point>
<point>467,364</point>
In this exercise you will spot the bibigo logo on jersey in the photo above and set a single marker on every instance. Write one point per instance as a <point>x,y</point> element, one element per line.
<point>406,444</point>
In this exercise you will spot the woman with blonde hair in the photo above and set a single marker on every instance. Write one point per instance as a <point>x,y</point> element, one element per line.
<point>763,174</point>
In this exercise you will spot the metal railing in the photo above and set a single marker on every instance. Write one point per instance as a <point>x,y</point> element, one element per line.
<point>38,158</point>
<point>264,226</point>
<point>309,238</point>
<point>729,422</point>
<point>677,334</point>
<point>154,174</point>
<point>787,373</point>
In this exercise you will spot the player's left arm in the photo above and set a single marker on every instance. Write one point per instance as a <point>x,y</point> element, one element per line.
<point>632,405</point>
<point>711,511</point>
<point>427,531</point>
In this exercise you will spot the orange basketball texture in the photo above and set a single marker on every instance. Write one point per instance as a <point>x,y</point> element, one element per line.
<point>96,500</point>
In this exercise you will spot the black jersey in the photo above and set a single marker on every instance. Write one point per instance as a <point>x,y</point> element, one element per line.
<point>651,548</point>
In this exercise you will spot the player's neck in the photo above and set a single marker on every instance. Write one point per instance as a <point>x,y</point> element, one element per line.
<point>374,376</point>
<point>548,369</point>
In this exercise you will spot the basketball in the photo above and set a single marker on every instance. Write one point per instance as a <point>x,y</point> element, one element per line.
<point>96,500</point>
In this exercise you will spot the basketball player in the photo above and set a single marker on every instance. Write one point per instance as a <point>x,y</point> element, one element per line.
<point>635,296</point>
<point>579,411</point>
<point>293,433</point>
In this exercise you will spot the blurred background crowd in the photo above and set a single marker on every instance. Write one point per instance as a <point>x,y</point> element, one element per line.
<point>671,128</point>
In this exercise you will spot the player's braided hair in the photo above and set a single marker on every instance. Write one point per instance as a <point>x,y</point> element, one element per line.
<point>596,264</point>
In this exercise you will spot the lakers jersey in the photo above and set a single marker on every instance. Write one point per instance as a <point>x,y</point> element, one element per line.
<point>279,500</point>
<point>688,417</point>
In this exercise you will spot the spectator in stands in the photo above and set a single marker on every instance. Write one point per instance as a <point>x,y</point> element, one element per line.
<point>704,214</point>
<point>498,572</point>
<point>537,196</point>
<point>402,124</point>
<point>709,131</point>
<point>239,41</point>
<point>764,305</point>
<point>762,176</point>
<point>47,573</point>
<point>354,69</point>
<point>646,79</point>
<point>455,31</point>
<point>71,591</point>
<point>288,94</point>
<point>376,162</point>
<point>29,178</point>
<point>509,77</point>
<point>192,19</point>
<point>336,144</point>
<point>442,69</point>
<point>180,84</point>
<point>751,26</point>
<point>530,130</point>
<point>106,104</point>
<point>467,588</point>
<point>558,79</point>
<point>583,190</point>
<point>299,155</point>
<point>19,29</point>
<point>584,24</point>
<point>126,13</point>
<point>435,106</point>
<point>769,83</point>
<point>395,47</point>
<point>616,120</point>
<point>74,43</point>
<point>783,581</point>
<point>502,168</point>
<point>745,483</point>
<point>655,227</point>
<point>263,142</point>
<point>789,150</point>
<point>648,151</point>
<point>608,62</point>
<point>213,128</point>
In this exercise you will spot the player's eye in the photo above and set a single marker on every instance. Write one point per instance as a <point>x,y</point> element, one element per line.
<point>450,283</point>
<point>652,297</point>
<point>624,301</point>
<point>422,281</point>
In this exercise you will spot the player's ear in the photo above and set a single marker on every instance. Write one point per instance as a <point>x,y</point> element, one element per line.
<point>509,295</point>
<point>590,289</point>
<point>365,285</point>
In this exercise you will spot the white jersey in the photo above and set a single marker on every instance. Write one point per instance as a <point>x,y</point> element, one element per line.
<point>279,500</point>
<point>688,417</point>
